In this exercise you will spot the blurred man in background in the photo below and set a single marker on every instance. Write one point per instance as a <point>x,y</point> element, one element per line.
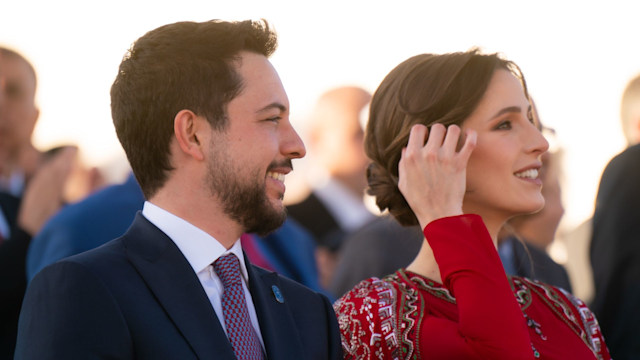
<point>615,238</point>
<point>335,206</point>
<point>32,190</point>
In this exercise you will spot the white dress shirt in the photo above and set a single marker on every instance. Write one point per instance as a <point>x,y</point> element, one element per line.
<point>349,211</point>
<point>13,184</point>
<point>201,250</point>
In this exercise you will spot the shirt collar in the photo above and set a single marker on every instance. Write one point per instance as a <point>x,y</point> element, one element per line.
<point>199,248</point>
<point>347,209</point>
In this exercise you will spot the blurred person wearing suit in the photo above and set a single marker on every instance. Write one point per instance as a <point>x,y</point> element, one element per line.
<point>615,254</point>
<point>614,250</point>
<point>20,159</point>
<point>20,219</point>
<point>523,243</point>
<point>582,264</point>
<point>33,186</point>
<point>335,206</point>
<point>204,120</point>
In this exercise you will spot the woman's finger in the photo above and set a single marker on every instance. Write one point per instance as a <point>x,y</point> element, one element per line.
<point>436,137</point>
<point>417,137</point>
<point>469,145</point>
<point>451,139</point>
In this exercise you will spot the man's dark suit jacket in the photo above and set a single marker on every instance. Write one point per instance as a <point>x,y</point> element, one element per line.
<point>138,297</point>
<point>615,254</point>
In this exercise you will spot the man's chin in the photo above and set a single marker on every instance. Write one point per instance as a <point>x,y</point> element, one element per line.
<point>277,203</point>
<point>273,224</point>
<point>268,219</point>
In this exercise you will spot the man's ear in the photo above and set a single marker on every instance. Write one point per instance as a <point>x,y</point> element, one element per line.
<point>189,129</point>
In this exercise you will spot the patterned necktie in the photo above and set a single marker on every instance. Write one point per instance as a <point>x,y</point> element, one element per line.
<point>241,334</point>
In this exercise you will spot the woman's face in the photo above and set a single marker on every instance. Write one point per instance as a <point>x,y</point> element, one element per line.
<point>502,173</point>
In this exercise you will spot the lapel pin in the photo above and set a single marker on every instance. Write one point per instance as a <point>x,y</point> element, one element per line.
<point>278,294</point>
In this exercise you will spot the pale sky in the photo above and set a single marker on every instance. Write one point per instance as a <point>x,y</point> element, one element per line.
<point>577,57</point>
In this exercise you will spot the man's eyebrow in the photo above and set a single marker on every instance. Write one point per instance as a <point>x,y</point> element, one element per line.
<point>274,105</point>
<point>509,109</point>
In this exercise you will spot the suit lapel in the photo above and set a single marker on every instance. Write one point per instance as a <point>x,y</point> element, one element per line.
<point>177,288</point>
<point>279,333</point>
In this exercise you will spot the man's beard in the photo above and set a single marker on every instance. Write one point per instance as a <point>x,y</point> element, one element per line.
<point>242,200</point>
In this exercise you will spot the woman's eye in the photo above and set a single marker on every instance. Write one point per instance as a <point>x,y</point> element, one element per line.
<point>530,116</point>
<point>504,125</point>
<point>274,119</point>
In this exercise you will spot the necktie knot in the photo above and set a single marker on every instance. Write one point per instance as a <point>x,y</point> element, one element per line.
<point>228,269</point>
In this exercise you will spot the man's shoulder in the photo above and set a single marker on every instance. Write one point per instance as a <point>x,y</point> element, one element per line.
<point>100,264</point>
<point>104,256</point>
<point>289,287</point>
<point>281,279</point>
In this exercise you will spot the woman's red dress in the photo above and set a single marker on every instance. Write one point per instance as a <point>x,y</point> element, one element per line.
<point>478,313</point>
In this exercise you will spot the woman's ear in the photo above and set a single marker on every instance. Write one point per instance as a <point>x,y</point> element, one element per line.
<point>188,129</point>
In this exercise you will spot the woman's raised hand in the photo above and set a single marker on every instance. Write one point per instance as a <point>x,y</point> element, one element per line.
<point>432,176</point>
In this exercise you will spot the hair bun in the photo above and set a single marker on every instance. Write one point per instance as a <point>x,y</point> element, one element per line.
<point>384,187</point>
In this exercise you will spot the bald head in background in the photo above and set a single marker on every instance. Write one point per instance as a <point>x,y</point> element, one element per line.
<point>336,135</point>
<point>630,111</point>
<point>335,143</point>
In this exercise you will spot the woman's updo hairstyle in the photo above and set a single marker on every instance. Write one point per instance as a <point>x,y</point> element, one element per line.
<point>424,89</point>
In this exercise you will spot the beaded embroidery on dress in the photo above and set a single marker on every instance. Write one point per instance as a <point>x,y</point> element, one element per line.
<point>381,318</point>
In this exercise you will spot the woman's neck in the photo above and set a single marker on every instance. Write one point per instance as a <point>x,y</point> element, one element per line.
<point>425,263</point>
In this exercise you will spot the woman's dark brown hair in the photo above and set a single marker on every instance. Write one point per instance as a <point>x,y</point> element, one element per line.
<point>424,89</point>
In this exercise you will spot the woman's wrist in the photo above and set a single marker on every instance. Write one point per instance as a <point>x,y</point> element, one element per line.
<point>426,219</point>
